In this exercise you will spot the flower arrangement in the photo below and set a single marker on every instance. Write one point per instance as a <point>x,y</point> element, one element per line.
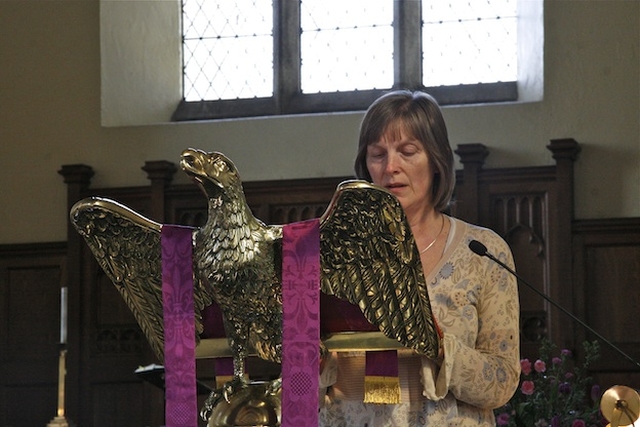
<point>552,394</point>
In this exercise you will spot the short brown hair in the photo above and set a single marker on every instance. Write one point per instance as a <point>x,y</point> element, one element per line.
<point>419,114</point>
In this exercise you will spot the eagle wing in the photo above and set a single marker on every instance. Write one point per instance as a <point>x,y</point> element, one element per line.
<point>128,248</point>
<point>369,258</point>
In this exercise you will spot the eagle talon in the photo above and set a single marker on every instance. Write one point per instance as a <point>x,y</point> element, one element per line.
<point>274,387</point>
<point>233,386</point>
<point>214,398</point>
<point>225,392</point>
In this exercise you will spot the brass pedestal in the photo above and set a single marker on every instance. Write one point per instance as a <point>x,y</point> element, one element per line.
<point>59,422</point>
<point>252,406</point>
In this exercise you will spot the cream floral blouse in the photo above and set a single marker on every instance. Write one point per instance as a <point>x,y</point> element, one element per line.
<point>475,302</point>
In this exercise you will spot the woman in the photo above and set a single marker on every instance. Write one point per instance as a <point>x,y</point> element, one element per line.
<point>404,147</point>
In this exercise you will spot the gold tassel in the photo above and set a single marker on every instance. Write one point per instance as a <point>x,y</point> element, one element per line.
<point>381,390</point>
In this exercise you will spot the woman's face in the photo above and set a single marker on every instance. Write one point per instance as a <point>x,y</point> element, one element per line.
<point>399,163</point>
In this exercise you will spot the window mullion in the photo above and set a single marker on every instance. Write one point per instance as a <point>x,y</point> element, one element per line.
<point>407,33</point>
<point>286,52</point>
<point>281,93</point>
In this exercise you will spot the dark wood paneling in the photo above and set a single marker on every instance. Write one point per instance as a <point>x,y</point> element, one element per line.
<point>607,280</point>
<point>30,280</point>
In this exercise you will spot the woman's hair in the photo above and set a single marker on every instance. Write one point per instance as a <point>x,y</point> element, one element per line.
<point>419,115</point>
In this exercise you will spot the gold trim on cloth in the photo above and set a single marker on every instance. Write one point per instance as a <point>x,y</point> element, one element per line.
<point>381,390</point>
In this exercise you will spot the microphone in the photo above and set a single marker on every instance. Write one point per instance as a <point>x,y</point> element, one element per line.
<point>479,249</point>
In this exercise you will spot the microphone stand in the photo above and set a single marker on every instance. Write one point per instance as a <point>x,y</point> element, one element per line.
<point>480,249</point>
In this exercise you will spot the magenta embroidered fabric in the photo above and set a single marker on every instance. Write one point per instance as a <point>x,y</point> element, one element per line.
<point>181,405</point>
<point>300,323</point>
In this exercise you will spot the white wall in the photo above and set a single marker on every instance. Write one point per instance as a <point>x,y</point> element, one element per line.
<point>50,115</point>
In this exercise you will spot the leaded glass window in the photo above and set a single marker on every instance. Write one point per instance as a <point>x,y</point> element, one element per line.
<point>264,57</point>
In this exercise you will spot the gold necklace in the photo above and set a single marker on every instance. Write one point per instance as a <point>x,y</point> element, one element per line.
<point>434,240</point>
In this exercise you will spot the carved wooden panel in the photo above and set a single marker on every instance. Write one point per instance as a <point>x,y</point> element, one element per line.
<point>516,205</point>
<point>284,214</point>
<point>273,202</point>
<point>532,208</point>
<point>521,219</point>
<point>116,330</point>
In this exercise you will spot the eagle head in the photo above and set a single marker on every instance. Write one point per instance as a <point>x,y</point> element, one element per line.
<point>213,172</point>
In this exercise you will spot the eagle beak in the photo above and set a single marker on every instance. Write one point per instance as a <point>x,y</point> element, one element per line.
<point>191,161</point>
<point>203,168</point>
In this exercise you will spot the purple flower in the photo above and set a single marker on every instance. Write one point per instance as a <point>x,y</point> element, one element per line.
<point>556,361</point>
<point>502,419</point>
<point>578,423</point>
<point>555,421</point>
<point>540,366</point>
<point>565,352</point>
<point>564,388</point>
<point>525,365</point>
<point>595,392</point>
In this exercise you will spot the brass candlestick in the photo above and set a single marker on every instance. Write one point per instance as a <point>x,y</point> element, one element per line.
<point>60,420</point>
